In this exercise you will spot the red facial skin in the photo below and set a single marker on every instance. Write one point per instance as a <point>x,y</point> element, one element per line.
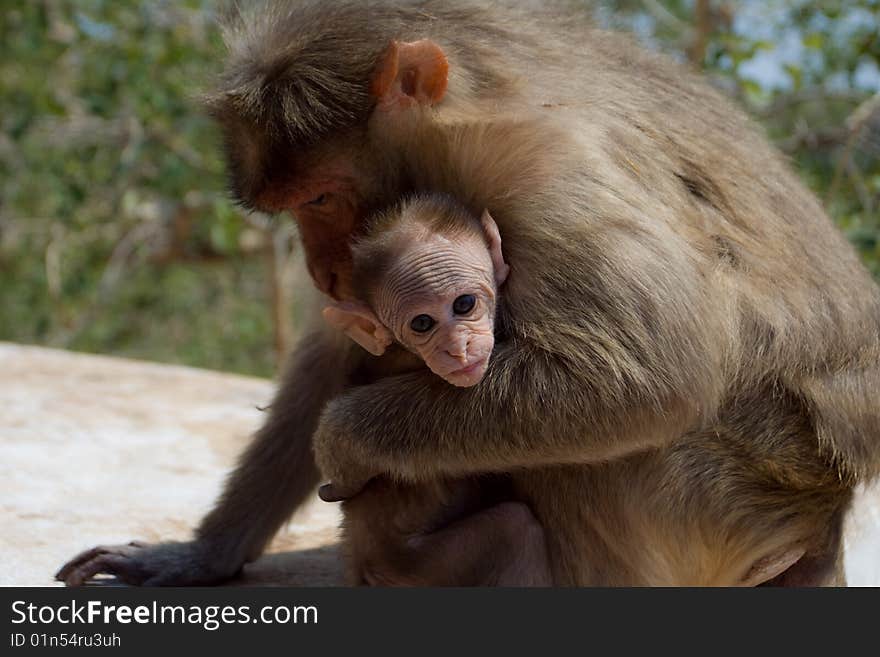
<point>328,206</point>
<point>327,219</point>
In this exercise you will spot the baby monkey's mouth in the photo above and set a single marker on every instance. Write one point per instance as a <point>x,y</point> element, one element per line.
<point>469,369</point>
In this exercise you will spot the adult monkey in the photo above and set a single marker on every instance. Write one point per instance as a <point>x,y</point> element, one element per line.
<point>688,390</point>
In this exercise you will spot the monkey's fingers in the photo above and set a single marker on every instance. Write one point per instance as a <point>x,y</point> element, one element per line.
<point>81,559</point>
<point>74,563</point>
<point>334,492</point>
<point>117,560</point>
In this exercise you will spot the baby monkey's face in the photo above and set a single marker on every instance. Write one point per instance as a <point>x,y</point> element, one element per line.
<point>439,301</point>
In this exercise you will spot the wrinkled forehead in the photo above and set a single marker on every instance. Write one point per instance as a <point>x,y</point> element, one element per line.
<point>433,269</point>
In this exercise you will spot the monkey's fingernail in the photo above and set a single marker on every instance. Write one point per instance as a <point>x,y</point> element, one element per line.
<point>328,493</point>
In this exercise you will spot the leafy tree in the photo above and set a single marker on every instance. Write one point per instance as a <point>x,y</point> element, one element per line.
<point>117,234</point>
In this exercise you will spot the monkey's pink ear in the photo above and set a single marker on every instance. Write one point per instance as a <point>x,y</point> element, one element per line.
<point>490,228</point>
<point>410,73</point>
<point>358,322</point>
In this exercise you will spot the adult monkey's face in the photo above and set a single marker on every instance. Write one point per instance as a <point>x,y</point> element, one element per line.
<point>337,184</point>
<point>329,203</point>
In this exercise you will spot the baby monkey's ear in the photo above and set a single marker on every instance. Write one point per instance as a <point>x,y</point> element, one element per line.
<point>494,238</point>
<point>359,323</point>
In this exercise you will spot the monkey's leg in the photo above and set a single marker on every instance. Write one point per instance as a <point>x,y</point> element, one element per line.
<point>740,504</point>
<point>499,546</point>
<point>273,477</point>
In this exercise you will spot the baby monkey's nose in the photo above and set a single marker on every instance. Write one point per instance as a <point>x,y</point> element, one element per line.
<point>458,347</point>
<point>457,353</point>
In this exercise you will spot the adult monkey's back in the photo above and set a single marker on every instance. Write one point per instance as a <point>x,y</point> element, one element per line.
<point>689,388</point>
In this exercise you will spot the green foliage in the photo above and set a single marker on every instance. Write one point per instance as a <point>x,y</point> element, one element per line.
<point>116,234</point>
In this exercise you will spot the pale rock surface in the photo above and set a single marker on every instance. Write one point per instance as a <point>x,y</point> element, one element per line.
<point>105,450</point>
<point>98,450</point>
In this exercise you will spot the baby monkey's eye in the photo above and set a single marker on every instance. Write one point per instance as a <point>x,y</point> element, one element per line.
<point>422,323</point>
<point>464,304</point>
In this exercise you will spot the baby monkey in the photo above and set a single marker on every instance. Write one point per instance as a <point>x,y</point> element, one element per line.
<point>428,274</point>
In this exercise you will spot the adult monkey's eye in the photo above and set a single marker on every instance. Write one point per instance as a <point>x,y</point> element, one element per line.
<point>422,323</point>
<point>320,200</point>
<point>464,304</point>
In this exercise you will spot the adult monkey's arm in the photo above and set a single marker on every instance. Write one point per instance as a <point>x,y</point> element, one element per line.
<point>274,476</point>
<point>530,410</point>
<point>602,361</point>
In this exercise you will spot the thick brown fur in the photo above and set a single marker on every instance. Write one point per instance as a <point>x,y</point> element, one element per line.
<point>689,386</point>
<point>449,532</point>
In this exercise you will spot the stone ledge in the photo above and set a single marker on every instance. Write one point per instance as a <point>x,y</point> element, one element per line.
<point>96,449</point>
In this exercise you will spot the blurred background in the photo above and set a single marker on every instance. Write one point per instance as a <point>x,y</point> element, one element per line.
<point>117,235</point>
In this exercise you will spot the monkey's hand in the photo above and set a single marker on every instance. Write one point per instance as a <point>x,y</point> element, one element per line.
<point>141,564</point>
<point>339,460</point>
